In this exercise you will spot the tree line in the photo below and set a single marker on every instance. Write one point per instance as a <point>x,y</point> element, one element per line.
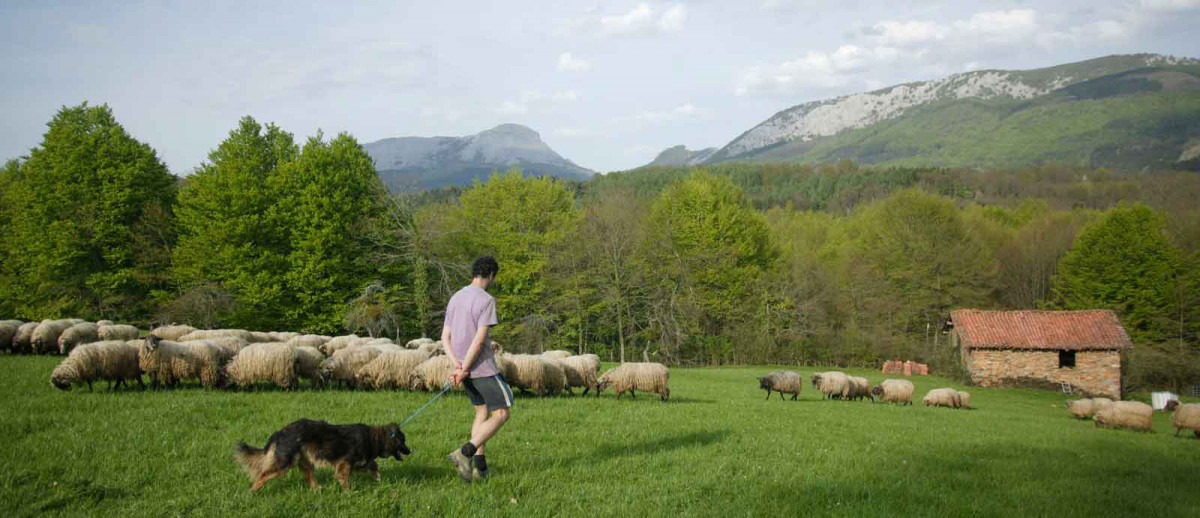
<point>732,263</point>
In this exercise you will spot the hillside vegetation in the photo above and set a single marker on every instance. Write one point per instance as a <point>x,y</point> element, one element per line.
<point>703,265</point>
<point>1136,112</point>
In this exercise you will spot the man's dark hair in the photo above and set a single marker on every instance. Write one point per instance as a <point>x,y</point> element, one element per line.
<point>485,267</point>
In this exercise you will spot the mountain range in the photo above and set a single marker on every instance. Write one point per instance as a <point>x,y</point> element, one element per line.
<point>1129,112</point>
<point>415,163</point>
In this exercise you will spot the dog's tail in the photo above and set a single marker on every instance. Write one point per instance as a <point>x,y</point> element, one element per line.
<point>254,461</point>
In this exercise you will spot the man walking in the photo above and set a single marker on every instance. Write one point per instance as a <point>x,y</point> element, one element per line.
<point>469,315</point>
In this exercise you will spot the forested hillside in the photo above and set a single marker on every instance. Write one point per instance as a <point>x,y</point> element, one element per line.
<point>728,263</point>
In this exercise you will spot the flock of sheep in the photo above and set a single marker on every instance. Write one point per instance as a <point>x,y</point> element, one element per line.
<point>1134,415</point>
<point>1105,412</point>
<point>103,351</point>
<point>839,385</point>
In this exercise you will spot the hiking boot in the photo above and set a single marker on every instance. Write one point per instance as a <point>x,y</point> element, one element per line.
<point>462,463</point>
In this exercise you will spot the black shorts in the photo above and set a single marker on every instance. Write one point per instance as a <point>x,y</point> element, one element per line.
<point>492,391</point>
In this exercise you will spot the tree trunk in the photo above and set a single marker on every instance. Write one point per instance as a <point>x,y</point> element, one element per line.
<point>621,332</point>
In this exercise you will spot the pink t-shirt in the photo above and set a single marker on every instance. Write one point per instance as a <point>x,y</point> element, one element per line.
<point>470,309</point>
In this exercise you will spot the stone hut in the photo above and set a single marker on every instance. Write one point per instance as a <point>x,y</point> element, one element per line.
<point>1046,348</point>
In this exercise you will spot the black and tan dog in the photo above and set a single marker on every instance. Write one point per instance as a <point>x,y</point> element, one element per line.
<point>306,443</point>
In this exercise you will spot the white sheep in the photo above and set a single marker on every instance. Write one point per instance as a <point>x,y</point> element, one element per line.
<point>118,332</point>
<point>431,349</point>
<point>272,362</point>
<point>309,340</point>
<point>858,388</point>
<point>1133,415</point>
<point>77,335</point>
<point>172,333</point>
<point>413,344</point>
<point>45,335</point>
<point>557,354</point>
<point>112,361</point>
<point>946,397</point>
<point>832,385</point>
<point>1087,407</point>
<point>338,343</point>
<point>391,370</point>
<point>344,364</point>
<point>22,341</point>
<point>308,365</point>
<point>783,382</point>
<point>894,391</point>
<point>207,334</point>
<point>631,377</point>
<point>102,323</point>
<point>8,330</point>
<point>964,399</point>
<point>432,373</point>
<point>524,371</point>
<point>581,372</point>
<point>1187,417</point>
<point>556,376</point>
<point>282,336</point>
<point>170,362</point>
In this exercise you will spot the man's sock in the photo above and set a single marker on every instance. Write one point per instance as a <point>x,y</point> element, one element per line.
<point>468,450</point>
<point>480,463</point>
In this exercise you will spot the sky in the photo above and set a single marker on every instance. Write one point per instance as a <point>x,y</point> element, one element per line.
<point>607,85</point>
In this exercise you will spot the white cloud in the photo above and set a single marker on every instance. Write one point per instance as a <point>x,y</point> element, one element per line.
<point>639,18</point>
<point>572,132</point>
<point>1108,30</point>
<point>512,108</point>
<point>569,63</point>
<point>679,113</point>
<point>565,96</point>
<point>529,98</point>
<point>815,69</point>
<point>930,48</point>
<point>908,33</point>
<point>672,20</point>
<point>1014,25</point>
<point>644,18</point>
<point>1169,6</point>
<point>993,26</point>
<point>443,113</point>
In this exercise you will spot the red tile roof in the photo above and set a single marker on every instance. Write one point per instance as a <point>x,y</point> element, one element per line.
<point>1069,330</point>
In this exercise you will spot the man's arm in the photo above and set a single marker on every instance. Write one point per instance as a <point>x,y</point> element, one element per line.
<point>476,345</point>
<point>446,343</point>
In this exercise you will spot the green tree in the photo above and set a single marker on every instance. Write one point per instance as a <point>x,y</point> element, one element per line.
<point>230,231</point>
<point>597,276</point>
<point>73,208</point>
<point>910,261</point>
<point>326,200</point>
<point>709,249</point>
<point>1124,262</point>
<point>519,221</point>
<point>810,243</point>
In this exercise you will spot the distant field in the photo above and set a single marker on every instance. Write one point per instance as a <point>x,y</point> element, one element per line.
<point>717,449</point>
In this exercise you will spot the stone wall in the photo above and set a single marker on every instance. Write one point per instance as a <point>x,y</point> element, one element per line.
<point>1095,373</point>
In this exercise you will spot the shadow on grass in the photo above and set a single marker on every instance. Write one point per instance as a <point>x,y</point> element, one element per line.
<point>660,445</point>
<point>64,492</point>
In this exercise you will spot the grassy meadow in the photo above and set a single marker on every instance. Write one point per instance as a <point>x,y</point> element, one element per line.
<point>717,449</point>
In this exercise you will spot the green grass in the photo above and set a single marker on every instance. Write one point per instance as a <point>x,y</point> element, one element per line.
<point>717,449</point>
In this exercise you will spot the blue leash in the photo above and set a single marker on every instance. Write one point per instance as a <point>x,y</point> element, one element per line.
<point>445,388</point>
